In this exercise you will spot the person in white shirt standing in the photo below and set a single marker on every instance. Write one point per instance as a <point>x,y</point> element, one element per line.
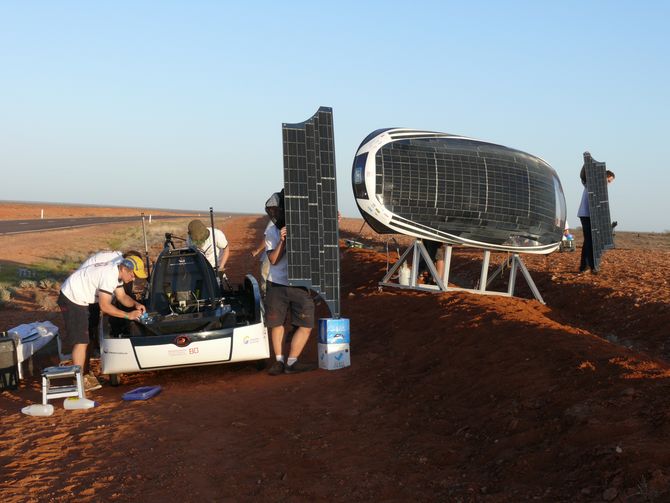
<point>98,282</point>
<point>200,236</point>
<point>280,297</point>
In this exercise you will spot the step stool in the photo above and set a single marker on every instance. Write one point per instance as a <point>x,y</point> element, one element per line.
<point>49,391</point>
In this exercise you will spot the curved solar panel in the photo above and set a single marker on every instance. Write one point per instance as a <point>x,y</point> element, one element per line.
<point>458,190</point>
<point>310,200</point>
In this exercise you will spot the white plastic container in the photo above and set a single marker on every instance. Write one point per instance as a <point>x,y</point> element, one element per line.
<point>38,409</point>
<point>78,403</point>
<point>404,274</point>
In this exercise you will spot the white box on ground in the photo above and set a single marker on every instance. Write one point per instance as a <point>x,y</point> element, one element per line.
<point>334,356</point>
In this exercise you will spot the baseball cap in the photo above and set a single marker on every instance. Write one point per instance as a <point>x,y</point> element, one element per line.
<point>136,265</point>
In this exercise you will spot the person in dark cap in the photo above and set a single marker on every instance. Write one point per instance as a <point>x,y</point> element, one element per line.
<point>280,297</point>
<point>98,282</point>
<point>200,237</point>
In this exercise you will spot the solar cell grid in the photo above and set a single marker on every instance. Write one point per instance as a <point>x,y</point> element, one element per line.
<point>601,223</point>
<point>409,183</point>
<point>311,219</point>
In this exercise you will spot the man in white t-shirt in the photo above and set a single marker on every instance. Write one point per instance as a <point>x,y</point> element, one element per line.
<point>103,257</point>
<point>200,236</point>
<point>98,282</point>
<point>280,297</point>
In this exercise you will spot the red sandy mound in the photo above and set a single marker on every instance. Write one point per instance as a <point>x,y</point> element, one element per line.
<point>450,397</point>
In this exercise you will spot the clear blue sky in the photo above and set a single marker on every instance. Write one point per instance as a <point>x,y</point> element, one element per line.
<point>179,104</point>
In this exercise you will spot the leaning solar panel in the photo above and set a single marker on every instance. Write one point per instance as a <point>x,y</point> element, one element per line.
<point>458,190</point>
<point>602,236</point>
<point>311,206</point>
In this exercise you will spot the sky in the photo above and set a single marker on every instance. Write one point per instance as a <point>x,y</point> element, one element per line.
<point>179,104</point>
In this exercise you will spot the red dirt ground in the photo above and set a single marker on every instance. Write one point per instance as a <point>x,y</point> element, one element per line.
<point>450,397</point>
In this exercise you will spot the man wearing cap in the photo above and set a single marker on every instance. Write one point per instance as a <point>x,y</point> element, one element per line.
<point>280,297</point>
<point>103,257</point>
<point>200,236</point>
<point>81,289</point>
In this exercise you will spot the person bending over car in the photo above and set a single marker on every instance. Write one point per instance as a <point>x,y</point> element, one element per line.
<point>98,282</point>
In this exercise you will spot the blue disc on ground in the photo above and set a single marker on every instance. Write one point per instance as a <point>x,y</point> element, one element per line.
<point>143,393</point>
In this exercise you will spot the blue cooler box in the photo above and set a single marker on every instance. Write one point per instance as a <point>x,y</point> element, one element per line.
<point>333,344</point>
<point>334,331</point>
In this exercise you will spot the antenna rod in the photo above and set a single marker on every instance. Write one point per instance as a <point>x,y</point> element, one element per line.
<point>216,261</point>
<point>146,246</point>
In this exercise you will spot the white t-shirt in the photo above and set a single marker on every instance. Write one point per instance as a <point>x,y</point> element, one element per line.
<point>83,285</point>
<point>279,271</point>
<point>207,247</point>
<point>103,257</point>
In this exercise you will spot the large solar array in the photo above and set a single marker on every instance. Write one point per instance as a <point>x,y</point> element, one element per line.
<point>310,200</point>
<point>472,189</point>
<point>599,207</point>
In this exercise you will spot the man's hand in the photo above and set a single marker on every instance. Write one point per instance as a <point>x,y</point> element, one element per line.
<point>139,307</point>
<point>133,315</point>
<point>282,233</point>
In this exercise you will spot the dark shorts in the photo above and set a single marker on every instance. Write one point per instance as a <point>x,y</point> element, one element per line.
<point>279,298</point>
<point>76,323</point>
<point>93,321</point>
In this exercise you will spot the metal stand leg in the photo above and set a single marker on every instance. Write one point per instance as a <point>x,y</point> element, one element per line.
<point>447,267</point>
<point>529,280</point>
<point>418,251</point>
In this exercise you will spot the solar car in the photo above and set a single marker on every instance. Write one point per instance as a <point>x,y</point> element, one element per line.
<point>193,318</point>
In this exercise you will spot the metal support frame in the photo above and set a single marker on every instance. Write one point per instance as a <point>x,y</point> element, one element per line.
<point>417,250</point>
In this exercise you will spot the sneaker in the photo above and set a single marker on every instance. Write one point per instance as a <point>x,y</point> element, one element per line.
<point>91,383</point>
<point>277,368</point>
<point>299,367</point>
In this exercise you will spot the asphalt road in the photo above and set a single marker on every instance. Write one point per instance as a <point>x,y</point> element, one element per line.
<point>50,224</point>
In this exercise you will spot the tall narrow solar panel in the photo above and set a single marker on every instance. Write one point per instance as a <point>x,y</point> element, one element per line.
<point>310,201</point>
<point>599,208</point>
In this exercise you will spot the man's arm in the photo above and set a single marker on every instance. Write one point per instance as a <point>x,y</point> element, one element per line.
<point>224,257</point>
<point>106,306</point>
<point>275,255</point>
